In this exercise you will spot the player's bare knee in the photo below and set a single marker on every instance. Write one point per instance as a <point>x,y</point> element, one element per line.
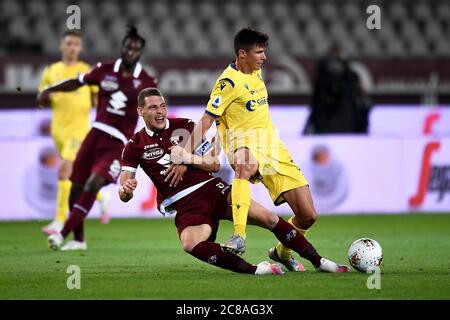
<point>64,172</point>
<point>94,184</point>
<point>244,170</point>
<point>308,219</point>
<point>189,244</point>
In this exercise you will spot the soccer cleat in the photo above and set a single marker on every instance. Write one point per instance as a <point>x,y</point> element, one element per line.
<point>53,228</point>
<point>236,245</point>
<point>105,217</point>
<point>330,266</point>
<point>291,264</point>
<point>55,241</point>
<point>74,245</point>
<point>265,268</point>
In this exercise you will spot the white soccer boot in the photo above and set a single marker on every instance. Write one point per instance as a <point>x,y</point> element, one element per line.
<point>73,245</point>
<point>330,266</point>
<point>265,268</point>
<point>54,227</point>
<point>55,241</point>
<point>105,217</point>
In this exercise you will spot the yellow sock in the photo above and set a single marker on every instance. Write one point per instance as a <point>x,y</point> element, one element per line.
<point>99,196</point>
<point>283,252</point>
<point>240,203</point>
<point>63,200</point>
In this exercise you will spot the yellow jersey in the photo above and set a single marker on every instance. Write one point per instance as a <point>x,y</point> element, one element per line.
<point>240,103</point>
<point>70,110</point>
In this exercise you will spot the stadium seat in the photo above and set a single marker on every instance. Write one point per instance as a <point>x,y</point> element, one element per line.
<point>314,25</point>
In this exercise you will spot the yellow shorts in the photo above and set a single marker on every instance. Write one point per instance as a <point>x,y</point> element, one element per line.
<point>277,170</point>
<point>67,147</point>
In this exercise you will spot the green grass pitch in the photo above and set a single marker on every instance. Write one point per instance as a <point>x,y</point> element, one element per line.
<point>142,259</point>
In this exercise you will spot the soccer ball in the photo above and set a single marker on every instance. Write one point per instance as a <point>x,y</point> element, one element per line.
<point>365,254</point>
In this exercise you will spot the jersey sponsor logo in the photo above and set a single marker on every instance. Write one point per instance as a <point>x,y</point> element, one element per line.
<point>216,101</point>
<point>150,146</point>
<point>117,103</point>
<point>114,169</point>
<point>152,154</point>
<point>263,101</point>
<point>222,84</point>
<point>109,85</point>
<point>165,162</point>
<point>250,105</point>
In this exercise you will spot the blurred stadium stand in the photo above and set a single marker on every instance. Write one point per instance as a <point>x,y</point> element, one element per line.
<point>200,33</point>
<point>205,28</point>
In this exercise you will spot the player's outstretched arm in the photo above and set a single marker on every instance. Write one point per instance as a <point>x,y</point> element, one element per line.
<point>67,85</point>
<point>209,162</point>
<point>128,184</point>
<point>199,131</point>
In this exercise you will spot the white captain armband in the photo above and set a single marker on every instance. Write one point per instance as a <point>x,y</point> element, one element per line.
<point>203,148</point>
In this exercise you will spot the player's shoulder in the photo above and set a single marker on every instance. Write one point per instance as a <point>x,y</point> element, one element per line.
<point>147,77</point>
<point>107,65</point>
<point>83,66</point>
<point>230,75</point>
<point>137,138</point>
<point>180,122</point>
<point>52,67</point>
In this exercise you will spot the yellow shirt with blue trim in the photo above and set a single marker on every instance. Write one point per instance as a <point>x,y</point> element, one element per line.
<point>70,110</point>
<point>240,104</point>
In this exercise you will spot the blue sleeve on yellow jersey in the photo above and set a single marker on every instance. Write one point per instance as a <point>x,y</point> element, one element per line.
<point>222,96</point>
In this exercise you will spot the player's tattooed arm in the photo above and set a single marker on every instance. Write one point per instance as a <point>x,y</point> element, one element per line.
<point>128,184</point>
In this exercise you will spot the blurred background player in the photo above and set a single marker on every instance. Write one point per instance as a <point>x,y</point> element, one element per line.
<point>200,200</point>
<point>70,122</point>
<point>339,103</point>
<point>98,161</point>
<point>239,107</point>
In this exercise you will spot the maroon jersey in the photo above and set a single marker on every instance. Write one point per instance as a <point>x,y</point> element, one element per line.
<point>150,150</point>
<point>117,97</point>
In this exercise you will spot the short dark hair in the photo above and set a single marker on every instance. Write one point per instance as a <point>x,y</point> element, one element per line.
<point>132,33</point>
<point>247,38</point>
<point>71,33</point>
<point>147,92</point>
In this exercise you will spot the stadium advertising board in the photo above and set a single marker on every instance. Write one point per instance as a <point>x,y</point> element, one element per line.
<point>283,75</point>
<point>388,172</point>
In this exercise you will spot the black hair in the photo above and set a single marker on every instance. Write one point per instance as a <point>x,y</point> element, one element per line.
<point>132,33</point>
<point>147,92</point>
<point>247,38</point>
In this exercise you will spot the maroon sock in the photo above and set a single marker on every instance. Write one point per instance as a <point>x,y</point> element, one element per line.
<point>78,232</point>
<point>79,212</point>
<point>294,240</point>
<point>71,203</point>
<point>212,253</point>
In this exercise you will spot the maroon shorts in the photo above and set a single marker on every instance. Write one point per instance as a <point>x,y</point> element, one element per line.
<point>206,205</point>
<point>99,153</point>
